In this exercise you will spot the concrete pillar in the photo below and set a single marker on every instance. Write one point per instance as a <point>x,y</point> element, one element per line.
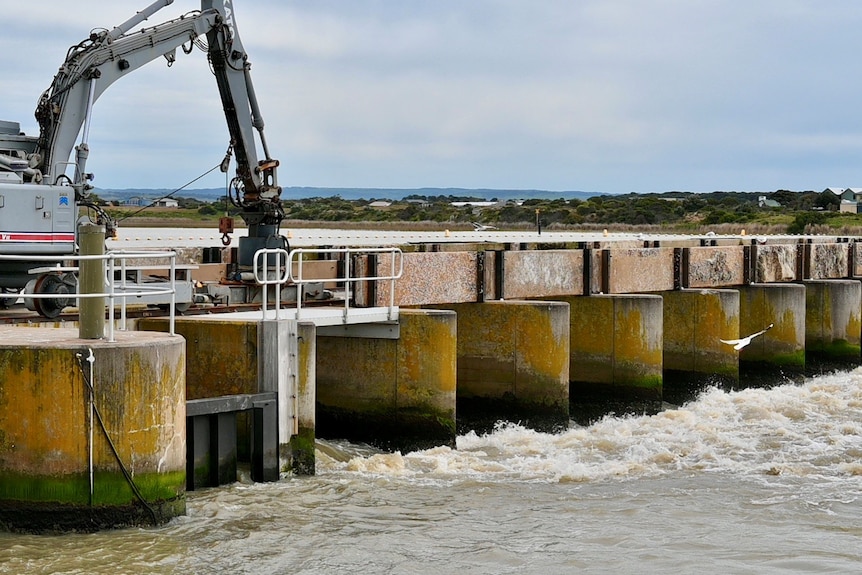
<point>781,350</point>
<point>395,393</point>
<point>513,363</point>
<point>694,357</point>
<point>224,359</point>
<point>57,469</point>
<point>301,448</point>
<point>616,347</point>
<point>832,322</point>
<point>91,279</point>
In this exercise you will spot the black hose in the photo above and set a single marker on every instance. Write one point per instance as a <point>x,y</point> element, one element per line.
<point>126,474</point>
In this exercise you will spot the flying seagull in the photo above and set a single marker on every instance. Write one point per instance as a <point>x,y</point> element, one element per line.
<point>740,343</point>
<point>477,227</point>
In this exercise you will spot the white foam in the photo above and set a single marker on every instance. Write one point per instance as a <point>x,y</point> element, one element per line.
<point>812,429</point>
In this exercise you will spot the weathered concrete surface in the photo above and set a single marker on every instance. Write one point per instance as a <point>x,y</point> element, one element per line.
<point>545,273</point>
<point>139,390</point>
<point>429,278</point>
<point>711,267</point>
<point>832,321</point>
<point>828,261</point>
<point>222,359</point>
<point>775,263</point>
<point>694,323</point>
<point>301,454</point>
<point>396,393</point>
<point>782,348</point>
<point>856,250</point>
<point>221,354</point>
<point>616,346</point>
<point>513,360</point>
<point>640,270</point>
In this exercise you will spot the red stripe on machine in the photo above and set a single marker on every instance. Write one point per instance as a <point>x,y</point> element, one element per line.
<point>36,237</point>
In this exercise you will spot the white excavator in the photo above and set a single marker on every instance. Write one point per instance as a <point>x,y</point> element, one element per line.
<point>44,184</point>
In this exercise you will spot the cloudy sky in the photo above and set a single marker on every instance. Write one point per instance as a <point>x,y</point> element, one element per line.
<point>593,95</point>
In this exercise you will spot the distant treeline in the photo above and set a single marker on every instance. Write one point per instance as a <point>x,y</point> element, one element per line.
<point>796,209</point>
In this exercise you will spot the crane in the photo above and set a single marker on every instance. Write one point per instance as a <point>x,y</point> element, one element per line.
<point>44,179</point>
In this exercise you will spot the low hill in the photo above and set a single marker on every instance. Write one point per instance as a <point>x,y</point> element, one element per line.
<point>298,193</point>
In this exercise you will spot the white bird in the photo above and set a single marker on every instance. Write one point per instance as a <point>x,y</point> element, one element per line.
<point>740,343</point>
<point>477,227</point>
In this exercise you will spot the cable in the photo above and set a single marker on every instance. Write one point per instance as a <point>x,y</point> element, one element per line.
<point>125,471</point>
<point>169,195</point>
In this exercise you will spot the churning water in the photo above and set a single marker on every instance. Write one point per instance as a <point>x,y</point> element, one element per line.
<point>754,481</point>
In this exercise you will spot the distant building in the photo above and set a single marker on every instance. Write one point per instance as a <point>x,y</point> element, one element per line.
<point>418,202</point>
<point>852,194</point>
<point>764,202</point>
<point>166,203</point>
<point>379,204</point>
<point>476,204</point>
<point>848,206</point>
<point>851,199</point>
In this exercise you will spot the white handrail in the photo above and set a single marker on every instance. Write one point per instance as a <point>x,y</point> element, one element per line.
<point>110,257</point>
<point>286,273</point>
<point>279,280</point>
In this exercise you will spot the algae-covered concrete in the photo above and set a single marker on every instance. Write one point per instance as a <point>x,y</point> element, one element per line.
<point>782,348</point>
<point>694,323</point>
<point>616,346</point>
<point>223,359</point>
<point>396,393</point>
<point>832,321</point>
<point>513,361</point>
<point>138,390</point>
<point>221,354</point>
<point>301,448</point>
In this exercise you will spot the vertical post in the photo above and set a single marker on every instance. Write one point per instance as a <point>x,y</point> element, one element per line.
<point>91,281</point>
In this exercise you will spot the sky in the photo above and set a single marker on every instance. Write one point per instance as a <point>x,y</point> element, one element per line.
<point>606,96</point>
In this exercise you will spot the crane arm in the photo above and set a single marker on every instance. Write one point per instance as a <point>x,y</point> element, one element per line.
<point>64,110</point>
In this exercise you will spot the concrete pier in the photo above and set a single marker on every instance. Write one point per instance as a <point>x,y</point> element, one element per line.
<point>616,347</point>
<point>513,363</point>
<point>301,449</point>
<point>832,322</point>
<point>694,357</point>
<point>223,359</point>
<point>781,350</point>
<point>58,467</point>
<point>395,393</point>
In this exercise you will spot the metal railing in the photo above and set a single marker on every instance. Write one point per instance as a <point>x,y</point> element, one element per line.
<point>284,273</point>
<point>115,290</point>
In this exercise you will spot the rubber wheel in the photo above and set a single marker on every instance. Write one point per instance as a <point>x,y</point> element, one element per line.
<point>50,284</point>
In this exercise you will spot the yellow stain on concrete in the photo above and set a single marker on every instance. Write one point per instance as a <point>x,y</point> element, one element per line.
<point>616,340</point>
<point>514,348</point>
<point>307,378</point>
<point>139,388</point>
<point>361,374</point>
<point>832,317</point>
<point>782,305</point>
<point>695,322</point>
<point>426,360</point>
<point>222,355</point>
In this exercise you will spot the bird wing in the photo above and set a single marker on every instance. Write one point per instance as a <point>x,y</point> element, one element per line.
<point>742,342</point>
<point>763,331</point>
<point>737,343</point>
